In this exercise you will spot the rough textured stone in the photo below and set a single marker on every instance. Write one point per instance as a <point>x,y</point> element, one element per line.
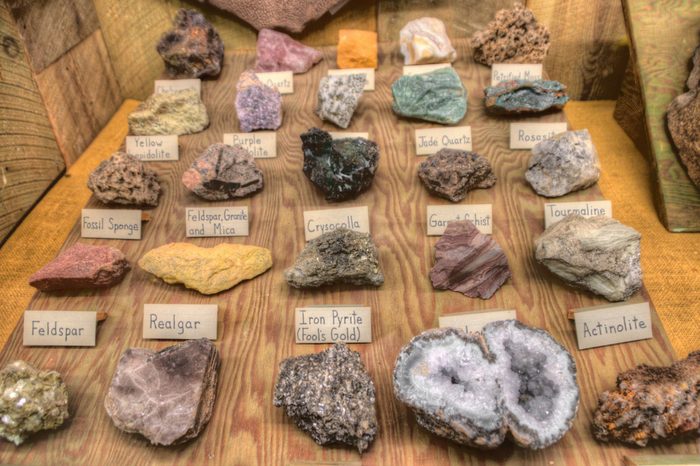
<point>651,403</point>
<point>338,97</point>
<point>565,163</point>
<point>468,262</point>
<point>330,396</point>
<point>124,179</point>
<point>179,112</point>
<point>476,389</point>
<point>82,266</point>
<point>258,106</point>
<point>341,168</point>
<point>276,51</point>
<point>424,40</point>
<point>357,49</point>
<point>338,256</point>
<point>452,173</point>
<point>437,96</point>
<point>599,254</point>
<point>207,270</point>
<point>167,396</point>
<point>30,401</point>
<point>514,36</point>
<point>193,48</point>
<point>223,172</point>
<point>521,96</point>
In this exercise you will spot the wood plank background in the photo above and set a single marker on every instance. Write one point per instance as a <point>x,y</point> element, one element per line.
<point>256,318</point>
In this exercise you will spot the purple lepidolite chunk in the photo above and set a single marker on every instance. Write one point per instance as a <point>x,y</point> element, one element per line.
<point>258,106</point>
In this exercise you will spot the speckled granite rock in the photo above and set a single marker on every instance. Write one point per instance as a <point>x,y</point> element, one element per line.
<point>356,49</point>
<point>276,51</point>
<point>475,389</point>
<point>599,254</point>
<point>258,106</point>
<point>124,179</point>
<point>179,112</point>
<point>223,172</point>
<point>651,403</point>
<point>520,96</point>
<point>30,401</point>
<point>438,96</point>
<point>166,396</point>
<point>338,97</point>
<point>451,173</point>
<point>335,257</point>
<point>193,48</point>
<point>424,40</point>
<point>330,396</point>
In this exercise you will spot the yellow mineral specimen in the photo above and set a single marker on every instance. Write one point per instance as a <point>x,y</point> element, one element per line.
<point>357,49</point>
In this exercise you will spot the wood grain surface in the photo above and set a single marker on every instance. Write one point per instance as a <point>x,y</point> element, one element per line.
<point>629,109</point>
<point>256,318</point>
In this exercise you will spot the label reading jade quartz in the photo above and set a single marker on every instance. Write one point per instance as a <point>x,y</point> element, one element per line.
<point>318,222</point>
<point>527,135</point>
<point>440,215</point>
<point>474,321</point>
<point>555,211</point>
<point>333,324</point>
<point>608,325</point>
<point>262,144</point>
<point>110,224</point>
<point>173,85</point>
<point>153,148</point>
<point>509,71</point>
<point>282,80</point>
<point>411,70</point>
<point>216,221</point>
<point>431,140</point>
<point>59,328</point>
<point>179,321</point>
<point>347,134</point>
<point>368,72</point>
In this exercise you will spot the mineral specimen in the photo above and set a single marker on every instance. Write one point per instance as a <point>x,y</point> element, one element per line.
<point>338,97</point>
<point>124,179</point>
<point>30,401</point>
<point>330,396</point>
<point>341,168</point>
<point>179,112</point>
<point>223,172</point>
<point>451,173</point>
<point>424,40</point>
<point>562,164</point>
<point>167,396</point>
<point>437,96</point>
<point>193,48</point>
<point>512,37</point>
<point>599,254</point>
<point>258,106</point>
<point>475,389</point>
<point>276,51</point>
<point>338,256</point>
<point>468,262</point>
<point>520,96</point>
<point>357,49</point>
<point>82,266</point>
<point>207,270</point>
<point>651,403</point>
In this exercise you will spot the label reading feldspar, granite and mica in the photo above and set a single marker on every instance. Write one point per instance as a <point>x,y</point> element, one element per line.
<point>59,328</point>
<point>333,324</point>
<point>261,144</point>
<point>474,321</point>
<point>431,140</point>
<point>110,223</point>
<point>173,85</point>
<point>347,134</point>
<point>179,321</point>
<point>318,222</point>
<point>282,80</point>
<point>555,211</point>
<point>612,324</point>
<point>154,148</point>
<point>511,71</point>
<point>527,135</point>
<point>368,72</point>
<point>216,221</point>
<point>440,215</point>
<point>410,70</point>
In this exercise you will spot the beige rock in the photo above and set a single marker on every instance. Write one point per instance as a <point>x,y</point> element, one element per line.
<point>424,40</point>
<point>180,112</point>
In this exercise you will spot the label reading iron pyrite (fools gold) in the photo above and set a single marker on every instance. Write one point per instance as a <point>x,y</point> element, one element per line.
<point>333,324</point>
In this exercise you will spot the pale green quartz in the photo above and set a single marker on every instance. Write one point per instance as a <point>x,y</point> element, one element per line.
<point>437,96</point>
<point>179,112</point>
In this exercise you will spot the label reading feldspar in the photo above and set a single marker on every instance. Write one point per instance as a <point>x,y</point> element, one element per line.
<point>333,324</point>
<point>110,223</point>
<point>431,140</point>
<point>173,85</point>
<point>608,325</point>
<point>509,71</point>
<point>440,215</point>
<point>369,72</point>
<point>347,134</point>
<point>411,70</point>
<point>318,222</point>
<point>59,328</point>
<point>555,211</point>
<point>179,321</point>
<point>263,144</point>
<point>527,135</point>
<point>216,221</point>
<point>474,321</point>
<point>282,80</point>
<point>153,148</point>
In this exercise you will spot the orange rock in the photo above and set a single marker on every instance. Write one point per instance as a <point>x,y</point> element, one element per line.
<point>357,49</point>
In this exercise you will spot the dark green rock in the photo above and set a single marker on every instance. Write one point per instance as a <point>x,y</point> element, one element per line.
<point>437,96</point>
<point>521,96</point>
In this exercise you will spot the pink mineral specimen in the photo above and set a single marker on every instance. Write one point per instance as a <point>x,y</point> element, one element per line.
<point>279,52</point>
<point>258,106</point>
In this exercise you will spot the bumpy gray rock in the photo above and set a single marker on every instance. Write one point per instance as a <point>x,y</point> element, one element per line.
<point>179,112</point>
<point>451,173</point>
<point>124,179</point>
<point>338,97</point>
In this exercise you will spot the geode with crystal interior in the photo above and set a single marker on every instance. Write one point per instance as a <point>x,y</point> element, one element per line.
<point>276,51</point>
<point>124,179</point>
<point>424,40</point>
<point>341,168</point>
<point>438,96</point>
<point>651,403</point>
<point>178,112</point>
<point>451,173</point>
<point>258,106</point>
<point>330,396</point>
<point>522,96</point>
<point>338,97</point>
<point>476,388</point>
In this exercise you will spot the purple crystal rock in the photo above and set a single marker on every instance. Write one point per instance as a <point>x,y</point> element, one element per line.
<point>279,52</point>
<point>258,106</point>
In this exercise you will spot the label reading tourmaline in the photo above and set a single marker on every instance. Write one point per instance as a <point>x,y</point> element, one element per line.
<point>110,223</point>
<point>440,215</point>
<point>474,321</point>
<point>612,324</point>
<point>174,85</point>
<point>333,324</point>
<point>509,71</point>
<point>318,222</point>
<point>216,221</point>
<point>410,70</point>
<point>368,72</point>
<point>282,80</point>
<point>59,328</point>
<point>555,211</point>
<point>431,140</point>
<point>180,321</point>
<point>261,144</point>
<point>528,135</point>
<point>153,148</point>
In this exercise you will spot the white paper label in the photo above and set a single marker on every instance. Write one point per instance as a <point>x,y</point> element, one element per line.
<point>110,223</point>
<point>431,140</point>
<point>347,134</point>
<point>59,328</point>
<point>153,148</point>
<point>368,72</point>
<point>501,72</point>
<point>411,70</point>
<point>612,324</point>
<point>262,144</point>
<point>333,324</point>
<point>528,135</point>
<point>555,211</point>
<point>318,222</point>
<point>216,221</point>
<point>179,321</point>
<point>440,215</point>
<point>173,85</point>
<point>474,321</point>
<point>282,80</point>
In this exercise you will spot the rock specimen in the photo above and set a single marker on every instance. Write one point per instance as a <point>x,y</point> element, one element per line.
<point>565,163</point>
<point>258,106</point>
<point>30,401</point>
<point>424,40</point>
<point>207,270</point>
<point>476,388</point>
<point>223,172</point>
<point>651,403</point>
<point>599,254</point>
<point>437,96</point>
<point>451,173</point>
<point>167,396</point>
<point>357,49</point>
<point>124,179</point>
<point>276,51</point>
<point>330,396</point>
<point>468,262</point>
<point>338,97</point>
<point>338,256</point>
<point>514,36</point>
<point>341,168</point>
<point>82,266</point>
<point>179,112</point>
<point>521,96</point>
<point>193,48</point>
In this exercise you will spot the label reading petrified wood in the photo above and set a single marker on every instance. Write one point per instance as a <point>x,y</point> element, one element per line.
<point>173,85</point>
<point>555,211</point>
<point>153,148</point>
<point>59,328</point>
<point>261,144</point>
<point>318,222</point>
<point>368,72</point>
<point>348,134</point>
<point>509,71</point>
<point>528,135</point>
<point>282,80</point>
<point>440,215</point>
<point>474,321</point>
<point>612,324</point>
<point>411,70</point>
<point>179,321</point>
<point>333,324</point>
<point>216,221</point>
<point>431,140</point>
<point>110,223</point>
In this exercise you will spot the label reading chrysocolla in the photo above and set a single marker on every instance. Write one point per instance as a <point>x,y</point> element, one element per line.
<point>411,70</point>
<point>612,324</point>
<point>474,321</point>
<point>174,85</point>
<point>431,140</point>
<point>368,72</point>
<point>153,148</point>
<point>318,222</point>
<point>282,80</point>
<point>333,324</point>
<point>528,135</point>
<point>501,72</point>
<point>261,144</point>
<point>179,321</point>
<point>216,221</point>
<point>59,328</point>
<point>440,215</point>
<point>110,223</point>
<point>555,211</point>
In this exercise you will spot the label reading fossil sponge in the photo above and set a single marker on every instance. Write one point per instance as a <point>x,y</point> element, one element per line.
<point>261,144</point>
<point>333,324</point>
<point>110,223</point>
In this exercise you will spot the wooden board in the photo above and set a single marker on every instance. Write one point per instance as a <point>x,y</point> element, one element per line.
<point>257,317</point>
<point>629,109</point>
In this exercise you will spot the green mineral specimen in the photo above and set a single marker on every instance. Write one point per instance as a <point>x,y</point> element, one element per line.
<point>437,96</point>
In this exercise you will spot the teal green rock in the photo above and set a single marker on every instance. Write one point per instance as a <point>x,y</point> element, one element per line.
<point>437,96</point>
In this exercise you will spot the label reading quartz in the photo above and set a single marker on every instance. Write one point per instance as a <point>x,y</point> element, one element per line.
<point>333,324</point>
<point>179,321</point>
<point>282,80</point>
<point>555,211</point>
<point>318,222</point>
<point>431,140</point>
<point>216,221</point>
<point>474,321</point>
<point>59,328</point>
<point>368,72</point>
<point>528,135</point>
<point>411,70</point>
<point>440,215</point>
<point>262,144</point>
<point>153,148</point>
<point>612,324</point>
<point>110,224</point>
<point>174,85</point>
<point>509,71</point>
